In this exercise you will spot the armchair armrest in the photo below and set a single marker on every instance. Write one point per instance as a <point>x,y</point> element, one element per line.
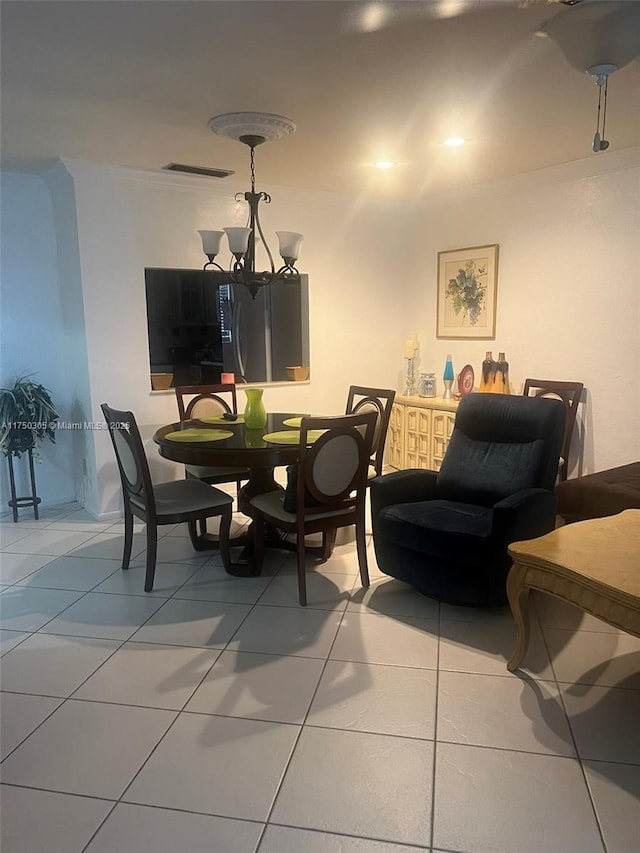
<point>524,515</point>
<point>402,487</point>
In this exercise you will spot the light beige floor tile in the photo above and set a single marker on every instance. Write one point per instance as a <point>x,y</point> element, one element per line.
<point>15,567</point>
<point>285,839</point>
<point>499,711</point>
<point>556,613</point>
<point>212,583</point>
<point>358,783</point>
<point>495,615</point>
<point>489,800</point>
<point>72,573</point>
<point>153,676</point>
<point>8,535</point>
<point>259,687</point>
<point>81,521</point>
<point>371,698</point>
<point>216,765</point>
<point>587,657</point>
<point>173,549</point>
<point>108,546</point>
<point>287,631</point>
<point>141,829</point>
<point>398,641</point>
<point>208,624</point>
<point>87,748</point>
<point>615,789</point>
<point>23,609</point>
<point>53,542</point>
<point>343,560</point>
<point>10,639</point>
<point>114,617</point>
<point>50,665</point>
<point>168,579</point>
<point>604,721</point>
<point>390,597</point>
<point>484,647</point>
<point>117,527</point>
<point>20,715</point>
<point>325,591</point>
<point>42,820</point>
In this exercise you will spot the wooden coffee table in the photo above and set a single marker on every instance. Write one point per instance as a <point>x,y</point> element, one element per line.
<point>592,564</point>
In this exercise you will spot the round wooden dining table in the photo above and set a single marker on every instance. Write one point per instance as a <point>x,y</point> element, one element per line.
<point>243,448</point>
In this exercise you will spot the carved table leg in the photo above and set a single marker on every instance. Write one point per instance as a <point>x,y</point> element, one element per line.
<point>518,596</point>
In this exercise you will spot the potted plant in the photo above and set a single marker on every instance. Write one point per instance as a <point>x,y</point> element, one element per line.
<point>27,416</point>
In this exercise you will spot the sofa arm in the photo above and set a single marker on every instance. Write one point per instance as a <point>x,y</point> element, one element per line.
<point>402,487</point>
<point>524,515</point>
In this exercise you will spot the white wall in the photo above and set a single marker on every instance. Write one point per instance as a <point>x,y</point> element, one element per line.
<point>568,294</point>
<point>568,289</point>
<point>32,328</point>
<point>130,219</point>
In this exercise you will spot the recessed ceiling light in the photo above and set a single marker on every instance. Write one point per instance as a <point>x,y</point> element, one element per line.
<point>454,141</point>
<point>384,164</point>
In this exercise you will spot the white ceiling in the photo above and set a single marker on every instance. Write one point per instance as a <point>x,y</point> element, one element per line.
<point>135,83</point>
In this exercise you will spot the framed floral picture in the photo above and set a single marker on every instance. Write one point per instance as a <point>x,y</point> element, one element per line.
<point>467,293</point>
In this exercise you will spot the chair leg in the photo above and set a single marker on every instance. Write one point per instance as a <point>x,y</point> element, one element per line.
<point>128,536</point>
<point>258,544</point>
<point>223,538</point>
<point>152,553</point>
<point>328,542</point>
<point>302,570</point>
<point>361,545</point>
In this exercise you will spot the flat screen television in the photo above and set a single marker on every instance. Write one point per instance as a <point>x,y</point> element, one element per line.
<point>200,325</point>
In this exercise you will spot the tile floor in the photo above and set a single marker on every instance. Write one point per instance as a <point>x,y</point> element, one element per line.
<point>216,716</point>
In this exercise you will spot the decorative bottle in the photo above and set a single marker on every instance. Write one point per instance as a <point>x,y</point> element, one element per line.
<point>255,414</point>
<point>501,381</point>
<point>488,376</point>
<point>447,378</point>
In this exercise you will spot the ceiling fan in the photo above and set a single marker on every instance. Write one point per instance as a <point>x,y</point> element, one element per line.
<point>596,37</point>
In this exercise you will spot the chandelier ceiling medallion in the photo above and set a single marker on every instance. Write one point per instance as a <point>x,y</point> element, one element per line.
<point>252,129</point>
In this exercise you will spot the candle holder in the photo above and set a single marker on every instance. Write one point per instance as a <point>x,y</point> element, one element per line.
<point>410,389</point>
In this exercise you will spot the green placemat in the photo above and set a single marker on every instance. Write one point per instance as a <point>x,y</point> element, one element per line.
<point>293,422</point>
<point>199,435</point>
<point>220,420</point>
<point>291,436</point>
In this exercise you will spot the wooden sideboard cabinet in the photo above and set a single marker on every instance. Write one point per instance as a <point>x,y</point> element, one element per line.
<point>419,432</point>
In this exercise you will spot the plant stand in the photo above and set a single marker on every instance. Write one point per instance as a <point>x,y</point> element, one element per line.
<point>31,500</point>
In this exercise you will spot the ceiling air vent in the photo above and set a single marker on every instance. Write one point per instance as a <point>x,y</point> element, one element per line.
<point>198,170</point>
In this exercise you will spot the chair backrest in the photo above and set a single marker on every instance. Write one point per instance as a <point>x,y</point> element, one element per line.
<point>380,401</point>
<point>131,458</point>
<point>333,469</point>
<point>207,400</point>
<point>501,444</point>
<point>570,393</point>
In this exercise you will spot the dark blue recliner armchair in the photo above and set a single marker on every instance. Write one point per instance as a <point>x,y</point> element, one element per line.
<point>446,533</point>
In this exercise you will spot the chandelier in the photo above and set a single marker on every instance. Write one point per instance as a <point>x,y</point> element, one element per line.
<point>252,129</point>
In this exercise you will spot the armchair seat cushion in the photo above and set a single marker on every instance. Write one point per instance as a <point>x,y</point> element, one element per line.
<point>439,528</point>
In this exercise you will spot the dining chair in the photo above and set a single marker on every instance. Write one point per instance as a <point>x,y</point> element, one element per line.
<point>380,401</point>
<point>570,393</point>
<point>209,401</point>
<point>175,502</point>
<point>334,454</point>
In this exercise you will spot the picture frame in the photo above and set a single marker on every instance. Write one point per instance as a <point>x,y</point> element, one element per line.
<point>467,293</point>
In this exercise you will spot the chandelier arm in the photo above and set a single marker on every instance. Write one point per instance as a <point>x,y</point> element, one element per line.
<point>264,239</point>
<point>212,263</point>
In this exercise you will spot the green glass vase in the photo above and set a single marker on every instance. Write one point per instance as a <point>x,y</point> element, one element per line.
<point>255,414</point>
